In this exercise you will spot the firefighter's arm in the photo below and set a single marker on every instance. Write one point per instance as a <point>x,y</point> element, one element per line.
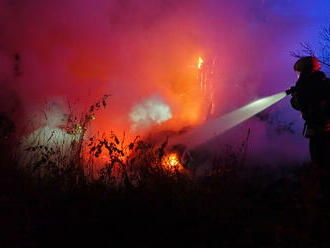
<point>294,99</point>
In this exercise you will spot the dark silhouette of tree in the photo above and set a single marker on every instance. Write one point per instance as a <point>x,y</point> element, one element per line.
<point>322,52</point>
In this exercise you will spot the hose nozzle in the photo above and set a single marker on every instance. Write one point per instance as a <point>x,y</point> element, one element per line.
<point>290,91</point>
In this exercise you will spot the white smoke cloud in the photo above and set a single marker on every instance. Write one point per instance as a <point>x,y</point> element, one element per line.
<point>149,112</point>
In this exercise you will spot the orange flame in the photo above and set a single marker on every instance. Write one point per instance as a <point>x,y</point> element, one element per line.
<point>172,162</point>
<point>200,62</point>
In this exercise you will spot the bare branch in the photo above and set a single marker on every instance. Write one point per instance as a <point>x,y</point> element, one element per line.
<point>306,50</point>
<point>295,54</point>
<point>325,34</point>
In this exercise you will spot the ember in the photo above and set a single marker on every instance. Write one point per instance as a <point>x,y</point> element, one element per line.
<point>172,162</point>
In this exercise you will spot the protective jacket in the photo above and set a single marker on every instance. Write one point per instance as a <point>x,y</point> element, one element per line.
<point>311,96</point>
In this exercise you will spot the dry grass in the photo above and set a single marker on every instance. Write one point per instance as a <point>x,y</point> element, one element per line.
<point>71,156</point>
<point>135,201</point>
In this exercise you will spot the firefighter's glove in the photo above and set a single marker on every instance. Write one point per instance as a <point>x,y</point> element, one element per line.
<point>290,91</point>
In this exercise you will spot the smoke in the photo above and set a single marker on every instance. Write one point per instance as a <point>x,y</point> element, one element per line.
<point>152,111</point>
<point>78,50</point>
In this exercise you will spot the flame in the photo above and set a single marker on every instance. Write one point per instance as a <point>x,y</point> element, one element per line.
<point>200,62</point>
<point>172,162</point>
<point>190,92</point>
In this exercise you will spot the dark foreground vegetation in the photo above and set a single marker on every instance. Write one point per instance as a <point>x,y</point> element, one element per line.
<point>136,202</point>
<point>255,207</point>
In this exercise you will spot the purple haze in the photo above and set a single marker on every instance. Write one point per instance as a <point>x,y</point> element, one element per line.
<point>70,49</point>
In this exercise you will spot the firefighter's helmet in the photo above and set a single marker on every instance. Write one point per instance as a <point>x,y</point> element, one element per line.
<point>307,64</point>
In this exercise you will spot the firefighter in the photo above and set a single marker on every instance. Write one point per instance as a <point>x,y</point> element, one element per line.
<point>311,96</point>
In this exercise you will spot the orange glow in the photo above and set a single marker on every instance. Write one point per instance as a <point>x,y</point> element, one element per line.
<point>189,89</point>
<point>172,162</point>
<point>184,82</point>
<point>200,62</point>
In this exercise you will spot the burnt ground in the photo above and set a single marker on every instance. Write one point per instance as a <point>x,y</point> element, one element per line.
<point>259,207</point>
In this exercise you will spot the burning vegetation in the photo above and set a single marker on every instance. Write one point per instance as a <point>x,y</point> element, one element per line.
<point>172,162</point>
<point>65,147</point>
<point>65,141</point>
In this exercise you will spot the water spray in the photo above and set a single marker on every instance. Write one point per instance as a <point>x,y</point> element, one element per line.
<point>217,126</point>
